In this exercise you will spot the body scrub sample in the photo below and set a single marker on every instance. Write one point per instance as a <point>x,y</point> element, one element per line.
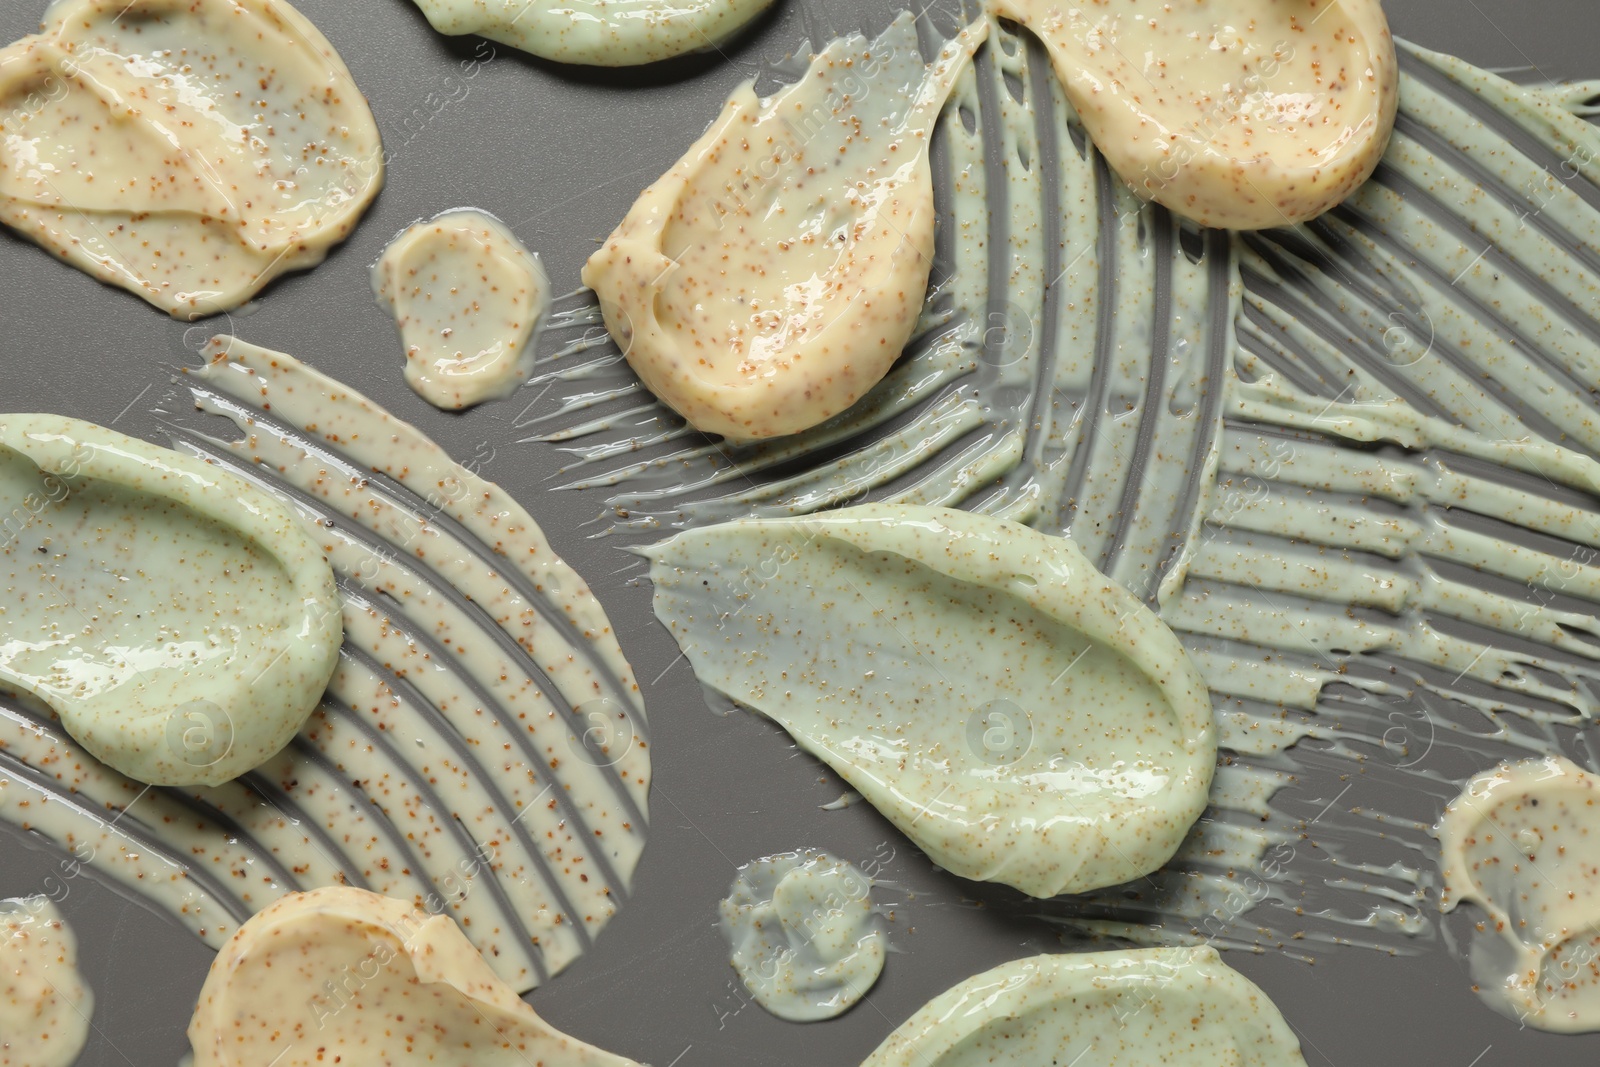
<point>45,1007</point>
<point>180,623</point>
<point>601,33</point>
<point>467,297</point>
<point>1177,1007</point>
<point>1522,842</point>
<point>1239,113</point>
<point>190,152</point>
<point>1013,711</point>
<point>774,275</point>
<point>803,933</point>
<point>347,976</point>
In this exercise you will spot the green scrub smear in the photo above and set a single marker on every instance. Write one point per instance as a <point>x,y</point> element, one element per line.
<point>1013,711</point>
<point>180,623</point>
<point>1181,1007</point>
<point>601,33</point>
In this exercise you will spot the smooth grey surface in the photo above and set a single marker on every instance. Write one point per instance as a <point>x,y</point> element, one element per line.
<point>560,155</point>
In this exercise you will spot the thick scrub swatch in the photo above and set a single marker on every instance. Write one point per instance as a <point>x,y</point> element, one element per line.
<point>1012,710</point>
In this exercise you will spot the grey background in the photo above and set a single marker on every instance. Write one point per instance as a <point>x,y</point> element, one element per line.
<point>560,154</point>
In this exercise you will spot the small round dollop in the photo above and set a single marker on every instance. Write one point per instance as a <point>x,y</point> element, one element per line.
<point>45,1006</point>
<point>467,297</point>
<point>1522,841</point>
<point>805,938</point>
<point>1244,114</point>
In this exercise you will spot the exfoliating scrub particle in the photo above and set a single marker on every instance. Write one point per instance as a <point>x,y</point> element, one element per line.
<point>1012,710</point>
<point>600,33</point>
<point>342,975</point>
<point>774,275</point>
<point>467,297</point>
<point>180,622</point>
<point>1178,1007</point>
<point>1522,842</point>
<point>187,152</point>
<point>803,934</point>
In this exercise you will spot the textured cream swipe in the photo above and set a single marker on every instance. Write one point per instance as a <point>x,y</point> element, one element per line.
<point>1017,714</point>
<point>1408,459</point>
<point>1240,114</point>
<point>467,297</point>
<point>347,976</point>
<point>368,434</point>
<point>189,153</point>
<point>602,33</point>
<point>481,751</point>
<point>181,623</point>
<point>1179,1007</point>
<point>45,1006</point>
<point>1522,841</point>
<point>775,274</point>
<point>803,935</point>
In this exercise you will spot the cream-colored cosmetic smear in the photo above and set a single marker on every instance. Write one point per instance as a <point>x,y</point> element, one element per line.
<point>1177,1007</point>
<point>181,623</point>
<point>1239,113</point>
<point>481,750</point>
<point>803,935</point>
<point>1351,464</point>
<point>187,152</point>
<point>467,297</point>
<point>1013,711</point>
<point>774,275</point>
<point>602,33</point>
<point>1522,842</point>
<point>347,976</point>
<point>45,1006</point>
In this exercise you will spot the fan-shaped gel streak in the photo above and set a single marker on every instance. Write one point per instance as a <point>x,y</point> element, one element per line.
<point>347,976</point>
<point>1353,462</point>
<point>481,750</point>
